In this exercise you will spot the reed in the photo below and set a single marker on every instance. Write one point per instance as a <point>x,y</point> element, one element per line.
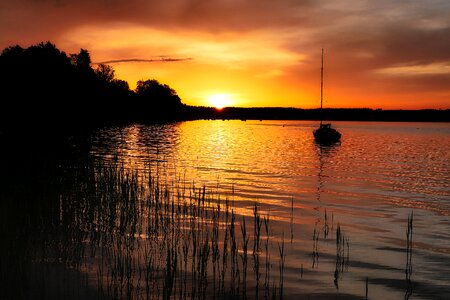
<point>135,234</point>
<point>342,255</point>
<point>326,227</point>
<point>257,230</point>
<point>409,252</point>
<point>244,256</point>
<point>367,288</point>
<point>267,255</point>
<point>315,250</point>
<point>282,253</point>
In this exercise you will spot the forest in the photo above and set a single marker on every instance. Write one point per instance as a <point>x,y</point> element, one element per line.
<point>42,87</point>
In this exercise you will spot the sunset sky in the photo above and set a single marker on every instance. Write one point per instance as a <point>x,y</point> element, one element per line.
<point>378,54</point>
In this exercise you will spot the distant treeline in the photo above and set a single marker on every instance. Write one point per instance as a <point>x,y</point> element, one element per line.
<point>43,89</point>
<point>334,114</point>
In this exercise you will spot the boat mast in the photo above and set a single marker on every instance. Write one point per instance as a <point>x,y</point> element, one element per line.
<point>321,90</point>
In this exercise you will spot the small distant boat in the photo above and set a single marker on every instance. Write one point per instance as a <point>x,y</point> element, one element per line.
<point>325,134</point>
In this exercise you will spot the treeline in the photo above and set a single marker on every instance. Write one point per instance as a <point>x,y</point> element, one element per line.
<point>43,88</point>
<point>333,114</point>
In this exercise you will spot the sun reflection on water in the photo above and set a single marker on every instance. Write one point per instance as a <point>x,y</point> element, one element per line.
<point>363,184</point>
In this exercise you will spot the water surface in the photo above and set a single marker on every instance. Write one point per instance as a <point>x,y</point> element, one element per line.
<point>380,174</point>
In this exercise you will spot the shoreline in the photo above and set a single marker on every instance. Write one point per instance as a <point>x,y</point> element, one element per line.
<point>330,114</point>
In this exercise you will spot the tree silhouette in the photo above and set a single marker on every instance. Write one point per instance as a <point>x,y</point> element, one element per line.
<point>105,73</point>
<point>43,88</point>
<point>161,95</point>
<point>32,80</point>
<point>121,84</point>
<point>82,60</point>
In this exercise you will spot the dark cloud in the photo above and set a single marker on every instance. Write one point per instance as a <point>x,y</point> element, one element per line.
<point>245,15</point>
<point>31,21</point>
<point>406,45</point>
<point>359,44</point>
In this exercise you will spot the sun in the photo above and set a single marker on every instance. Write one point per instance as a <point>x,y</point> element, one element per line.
<point>219,101</point>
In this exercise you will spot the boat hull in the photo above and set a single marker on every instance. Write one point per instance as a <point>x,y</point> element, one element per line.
<point>326,135</point>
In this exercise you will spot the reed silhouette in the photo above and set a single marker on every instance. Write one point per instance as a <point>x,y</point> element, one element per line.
<point>106,231</point>
<point>409,252</point>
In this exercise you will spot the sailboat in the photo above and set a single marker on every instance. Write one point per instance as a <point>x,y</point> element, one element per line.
<point>325,134</point>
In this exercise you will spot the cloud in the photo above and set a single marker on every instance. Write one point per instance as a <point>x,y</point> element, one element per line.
<point>132,60</point>
<point>392,32</point>
<point>55,17</point>
<point>417,70</point>
<point>366,42</point>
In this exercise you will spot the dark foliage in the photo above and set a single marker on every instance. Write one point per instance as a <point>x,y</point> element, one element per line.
<point>339,114</point>
<point>44,89</point>
<point>159,100</point>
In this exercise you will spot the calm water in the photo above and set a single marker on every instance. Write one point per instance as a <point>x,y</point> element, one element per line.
<point>367,186</point>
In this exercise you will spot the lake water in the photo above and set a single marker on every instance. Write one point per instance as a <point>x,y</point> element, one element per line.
<point>230,209</point>
<point>368,186</point>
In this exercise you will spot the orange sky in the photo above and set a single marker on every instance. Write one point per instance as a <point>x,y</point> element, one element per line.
<point>378,54</point>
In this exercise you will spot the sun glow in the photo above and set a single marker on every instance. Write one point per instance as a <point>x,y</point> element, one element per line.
<point>219,101</point>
